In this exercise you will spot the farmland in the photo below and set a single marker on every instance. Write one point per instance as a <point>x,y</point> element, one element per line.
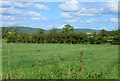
<point>59,61</point>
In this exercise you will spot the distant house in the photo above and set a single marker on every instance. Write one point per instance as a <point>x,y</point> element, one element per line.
<point>88,33</point>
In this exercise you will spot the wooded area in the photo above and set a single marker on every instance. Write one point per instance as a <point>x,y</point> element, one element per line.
<point>66,36</point>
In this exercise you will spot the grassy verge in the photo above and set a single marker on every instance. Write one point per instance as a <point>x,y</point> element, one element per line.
<point>60,61</point>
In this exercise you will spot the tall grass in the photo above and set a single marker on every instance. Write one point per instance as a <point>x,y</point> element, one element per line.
<point>54,61</point>
<point>9,75</point>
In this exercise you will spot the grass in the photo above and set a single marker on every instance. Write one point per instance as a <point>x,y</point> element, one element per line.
<point>60,61</point>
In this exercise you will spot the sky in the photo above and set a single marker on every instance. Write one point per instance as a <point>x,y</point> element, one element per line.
<point>47,15</point>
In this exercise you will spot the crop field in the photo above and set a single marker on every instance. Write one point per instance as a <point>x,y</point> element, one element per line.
<point>59,61</point>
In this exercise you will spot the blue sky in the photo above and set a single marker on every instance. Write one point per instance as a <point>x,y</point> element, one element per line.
<point>48,15</point>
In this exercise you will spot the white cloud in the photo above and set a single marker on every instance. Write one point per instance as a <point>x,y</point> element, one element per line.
<point>18,14</point>
<point>27,5</point>
<point>84,10</point>
<point>6,3</point>
<point>31,6</point>
<point>66,15</point>
<point>24,25</point>
<point>112,1</point>
<point>112,6</point>
<point>7,17</point>
<point>94,10</point>
<point>51,26</point>
<point>10,11</point>
<point>58,26</point>
<point>70,6</point>
<point>33,15</point>
<point>27,0</point>
<point>103,28</point>
<point>33,18</point>
<point>94,28</point>
<point>89,12</point>
<point>22,5</point>
<point>71,20</point>
<point>90,20</point>
<point>81,21</point>
<point>10,23</point>
<point>84,14</point>
<point>105,20</point>
<point>59,0</point>
<point>1,10</point>
<point>113,19</point>
<point>41,7</point>
<point>78,9</point>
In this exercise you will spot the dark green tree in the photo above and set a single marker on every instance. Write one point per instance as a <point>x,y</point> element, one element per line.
<point>41,31</point>
<point>68,28</point>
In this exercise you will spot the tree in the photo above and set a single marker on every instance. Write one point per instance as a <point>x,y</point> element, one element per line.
<point>41,31</point>
<point>67,36</point>
<point>117,39</point>
<point>52,36</point>
<point>5,31</point>
<point>94,34</point>
<point>68,28</point>
<point>53,31</point>
<point>9,30</point>
<point>104,33</point>
<point>15,30</point>
<point>92,40</point>
<point>12,39</point>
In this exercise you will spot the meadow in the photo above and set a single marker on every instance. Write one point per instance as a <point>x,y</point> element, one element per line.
<point>59,61</point>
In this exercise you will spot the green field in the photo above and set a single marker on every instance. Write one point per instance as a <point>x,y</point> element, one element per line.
<point>60,61</point>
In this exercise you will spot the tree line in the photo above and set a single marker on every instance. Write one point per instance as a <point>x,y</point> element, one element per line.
<point>66,36</point>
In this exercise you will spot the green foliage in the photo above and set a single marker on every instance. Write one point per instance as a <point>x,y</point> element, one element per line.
<point>41,31</point>
<point>117,39</point>
<point>6,31</point>
<point>12,39</point>
<point>93,40</point>
<point>68,28</point>
<point>67,36</point>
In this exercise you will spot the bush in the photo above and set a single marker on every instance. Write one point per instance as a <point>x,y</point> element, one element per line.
<point>12,39</point>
